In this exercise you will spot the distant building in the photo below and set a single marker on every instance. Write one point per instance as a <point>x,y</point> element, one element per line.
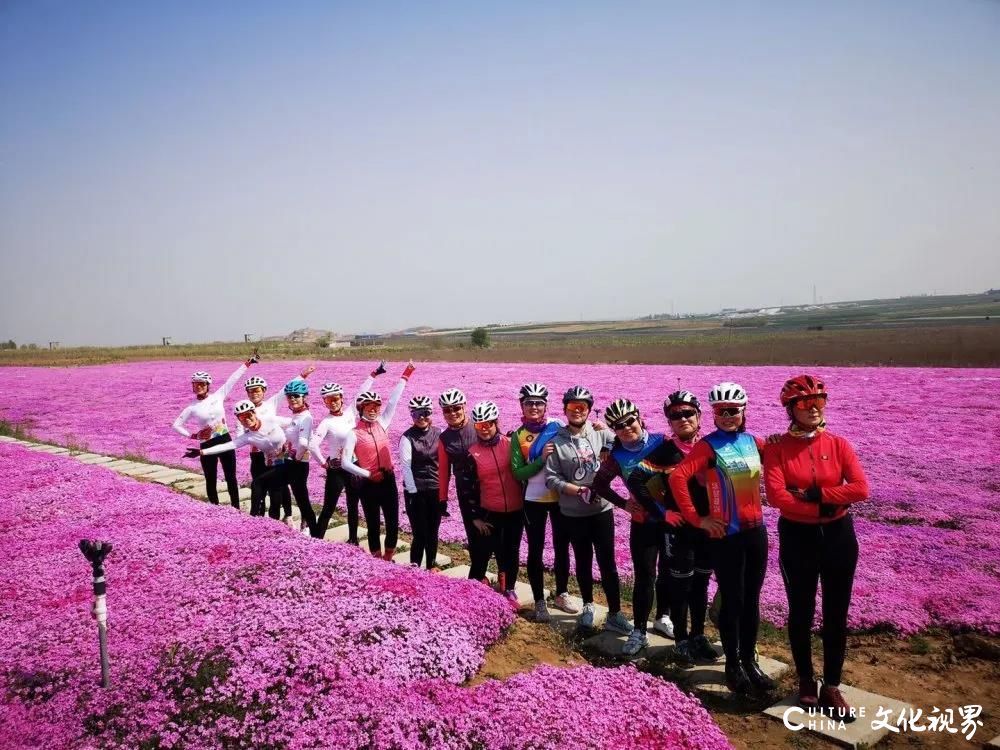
<point>366,339</point>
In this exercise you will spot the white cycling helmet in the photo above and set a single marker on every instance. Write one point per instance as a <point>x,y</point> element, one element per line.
<point>452,397</point>
<point>728,393</point>
<point>242,407</point>
<point>366,397</point>
<point>533,391</point>
<point>331,389</point>
<point>421,402</point>
<point>201,377</point>
<point>485,411</point>
<point>255,382</point>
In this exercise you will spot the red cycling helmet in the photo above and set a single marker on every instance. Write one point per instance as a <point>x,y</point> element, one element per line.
<point>801,386</point>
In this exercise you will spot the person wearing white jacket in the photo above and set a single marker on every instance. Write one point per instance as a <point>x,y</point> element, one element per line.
<point>208,414</point>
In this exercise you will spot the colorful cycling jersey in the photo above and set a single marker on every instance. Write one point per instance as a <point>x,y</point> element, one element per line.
<point>528,440</point>
<point>732,467</point>
<point>648,482</point>
<point>209,412</point>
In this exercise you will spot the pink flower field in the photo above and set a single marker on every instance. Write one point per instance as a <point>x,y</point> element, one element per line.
<point>229,631</point>
<point>928,439</point>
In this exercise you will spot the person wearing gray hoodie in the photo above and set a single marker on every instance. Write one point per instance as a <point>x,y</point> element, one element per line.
<point>570,471</point>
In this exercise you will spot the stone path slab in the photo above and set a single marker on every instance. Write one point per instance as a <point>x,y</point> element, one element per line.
<point>117,464</point>
<point>339,533</point>
<point>711,678</point>
<point>93,458</point>
<point>403,558</point>
<point>140,470</point>
<point>854,735</point>
<point>610,642</point>
<point>462,571</point>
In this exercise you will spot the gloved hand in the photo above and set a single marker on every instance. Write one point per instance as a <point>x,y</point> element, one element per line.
<point>444,509</point>
<point>673,518</point>
<point>376,476</point>
<point>254,358</point>
<point>409,370</point>
<point>827,510</point>
<point>379,370</point>
<point>814,494</point>
<point>192,453</point>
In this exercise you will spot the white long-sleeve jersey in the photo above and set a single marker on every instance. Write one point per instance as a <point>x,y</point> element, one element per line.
<point>269,439</point>
<point>333,430</point>
<point>406,461</point>
<point>384,419</point>
<point>298,430</point>
<point>268,407</point>
<point>210,411</point>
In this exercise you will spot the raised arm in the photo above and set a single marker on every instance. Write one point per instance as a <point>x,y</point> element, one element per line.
<point>231,382</point>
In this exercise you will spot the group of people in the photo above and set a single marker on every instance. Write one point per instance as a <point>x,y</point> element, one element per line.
<point>694,501</point>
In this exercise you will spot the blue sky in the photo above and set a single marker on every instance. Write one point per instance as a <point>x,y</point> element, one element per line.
<point>203,170</point>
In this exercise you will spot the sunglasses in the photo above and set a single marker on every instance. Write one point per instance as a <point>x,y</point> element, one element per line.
<point>729,411</point>
<point>686,414</point>
<point>483,425</point>
<point>534,403</point>
<point>420,413</point>
<point>452,409</point>
<point>578,406</point>
<point>293,395</point>
<point>624,423</point>
<point>805,404</point>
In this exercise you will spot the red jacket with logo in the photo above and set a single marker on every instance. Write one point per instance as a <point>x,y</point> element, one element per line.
<point>825,460</point>
<point>498,489</point>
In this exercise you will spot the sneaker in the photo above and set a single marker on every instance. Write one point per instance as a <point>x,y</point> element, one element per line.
<point>564,603</point>
<point>511,597</point>
<point>758,678</point>
<point>618,623</point>
<point>737,679</point>
<point>682,652</point>
<point>586,618</point>
<point>541,612</point>
<point>832,704</point>
<point>664,626</point>
<point>702,649</point>
<point>636,642</point>
<point>807,693</point>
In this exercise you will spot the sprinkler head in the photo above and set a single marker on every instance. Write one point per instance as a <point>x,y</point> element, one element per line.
<point>95,552</point>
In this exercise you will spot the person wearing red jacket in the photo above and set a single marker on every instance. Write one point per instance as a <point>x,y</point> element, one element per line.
<point>813,477</point>
<point>498,501</point>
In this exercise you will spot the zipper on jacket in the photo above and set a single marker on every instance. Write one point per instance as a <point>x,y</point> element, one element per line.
<point>503,489</point>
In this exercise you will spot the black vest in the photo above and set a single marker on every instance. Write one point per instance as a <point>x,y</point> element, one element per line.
<point>425,456</point>
<point>456,445</point>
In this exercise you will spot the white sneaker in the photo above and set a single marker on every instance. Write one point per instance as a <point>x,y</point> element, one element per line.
<point>586,618</point>
<point>541,612</point>
<point>636,642</point>
<point>664,626</point>
<point>618,623</point>
<point>564,603</point>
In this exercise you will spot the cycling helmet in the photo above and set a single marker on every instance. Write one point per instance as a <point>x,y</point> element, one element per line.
<point>421,402</point>
<point>331,389</point>
<point>368,397</point>
<point>619,409</point>
<point>201,377</point>
<point>801,386</point>
<point>727,393</point>
<point>485,411</point>
<point>452,397</point>
<point>255,382</point>
<point>297,387</point>
<point>534,391</point>
<point>578,393</point>
<point>681,398</point>
<point>242,407</point>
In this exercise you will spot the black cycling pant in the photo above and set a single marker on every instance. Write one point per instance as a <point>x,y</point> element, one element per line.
<point>424,512</point>
<point>270,480</point>
<point>480,548</point>
<point>592,535</point>
<point>690,565</point>
<point>258,465</point>
<point>535,515</point>
<point>647,543</point>
<point>504,543</point>
<point>380,499</point>
<point>210,467</point>
<point>337,481</point>
<point>740,563</point>
<point>810,553</point>
<point>297,473</point>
